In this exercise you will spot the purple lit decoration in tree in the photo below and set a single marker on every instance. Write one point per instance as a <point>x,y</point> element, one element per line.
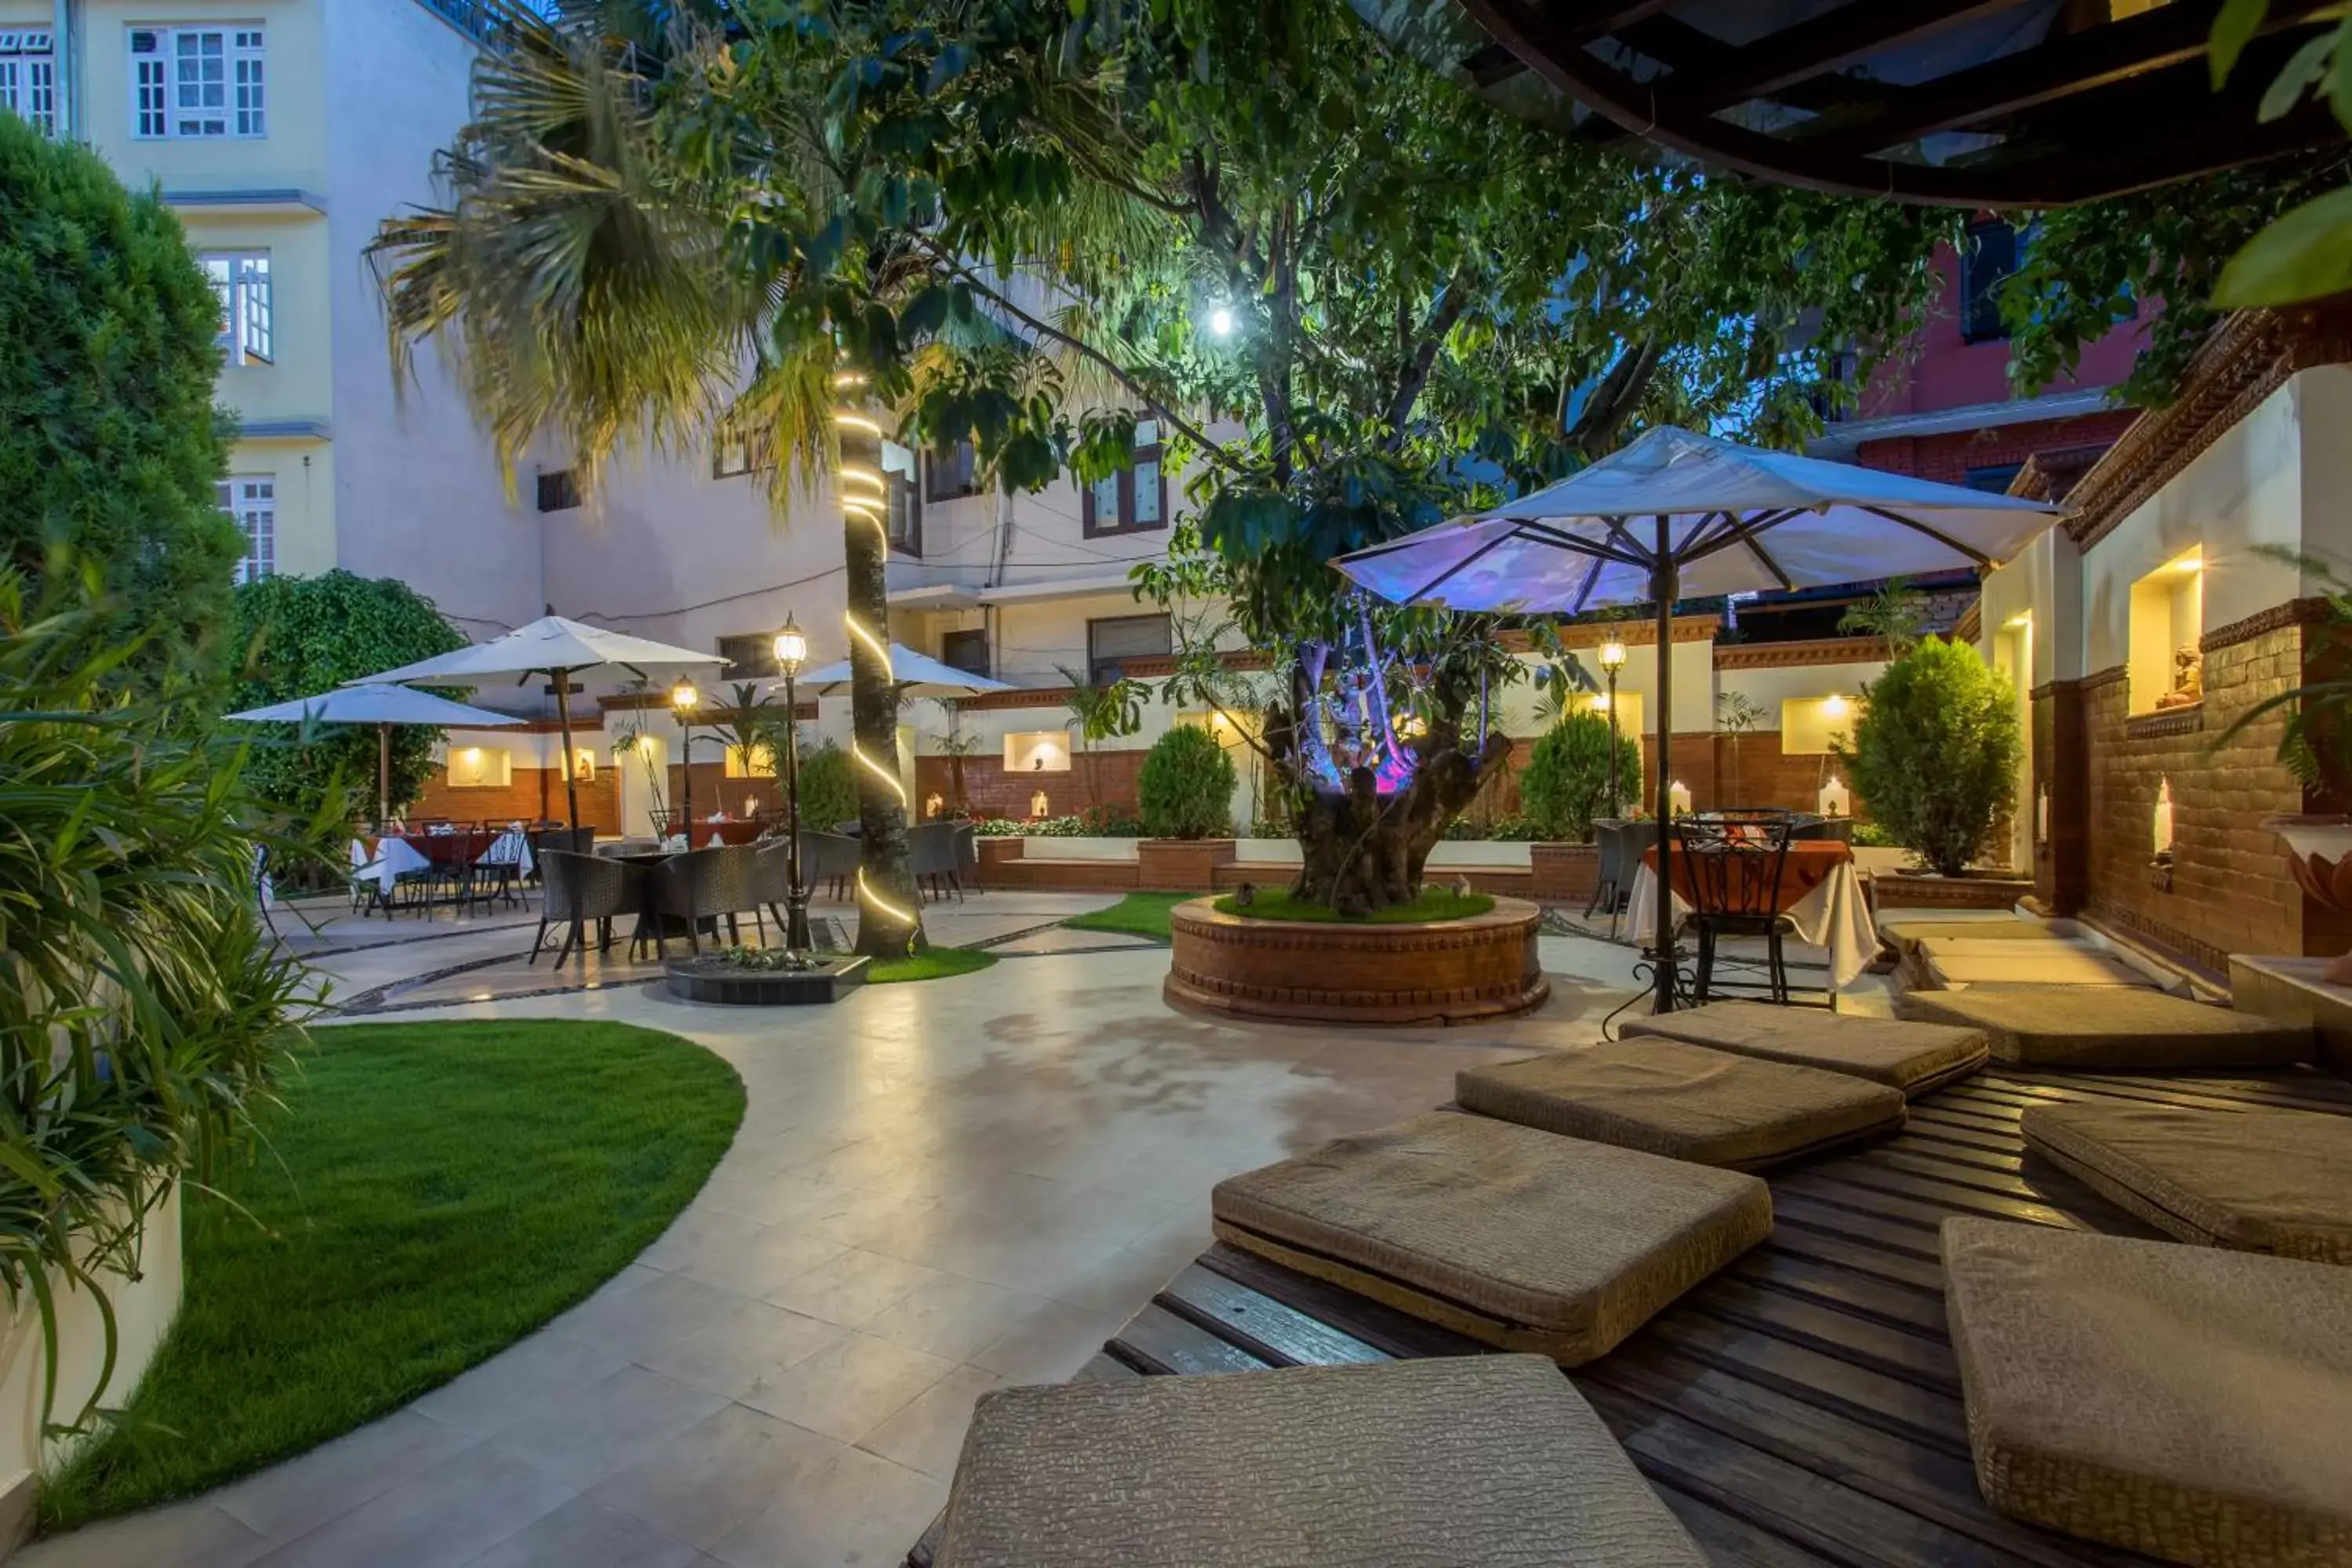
<point>1362,733</point>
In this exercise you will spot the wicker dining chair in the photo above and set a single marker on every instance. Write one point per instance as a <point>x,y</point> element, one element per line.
<point>709,884</point>
<point>580,888</point>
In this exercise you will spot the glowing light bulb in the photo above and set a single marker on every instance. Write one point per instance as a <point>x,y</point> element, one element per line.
<point>1221,322</point>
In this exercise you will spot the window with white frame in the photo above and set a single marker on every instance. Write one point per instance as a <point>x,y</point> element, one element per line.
<point>252,501</point>
<point>29,75</point>
<point>241,281</point>
<point>196,82</point>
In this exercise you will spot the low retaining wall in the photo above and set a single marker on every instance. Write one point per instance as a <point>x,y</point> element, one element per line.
<point>1553,873</point>
<point>143,1310</point>
<point>1434,971</point>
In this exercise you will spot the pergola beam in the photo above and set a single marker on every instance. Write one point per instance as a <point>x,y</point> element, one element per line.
<point>1578,23</point>
<point>1853,32</point>
<point>2063,68</point>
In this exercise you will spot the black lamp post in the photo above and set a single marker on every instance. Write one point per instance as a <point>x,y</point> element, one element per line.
<point>1612,659</point>
<point>792,649</point>
<point>683,701</point>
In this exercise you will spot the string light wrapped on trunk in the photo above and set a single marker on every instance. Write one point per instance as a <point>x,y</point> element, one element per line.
<point>864,496</point>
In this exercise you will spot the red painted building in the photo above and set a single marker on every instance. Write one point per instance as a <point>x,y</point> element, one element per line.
<point>1944,409</point>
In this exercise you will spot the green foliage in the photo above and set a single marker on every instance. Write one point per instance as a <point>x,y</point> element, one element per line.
<point>931,963</point>
<point>308,635</point>
<point>431,1193</point>
<point>1186,786</point>
<point>828,788</point>
<point>1106,821</point>
<point>1431,904</point>
<point>109,439</point>
<point>1936,751</point>
<point>1896,612</point>
<point>143,1014</point>
<point>2305,253</point>
<point>1566,785</point>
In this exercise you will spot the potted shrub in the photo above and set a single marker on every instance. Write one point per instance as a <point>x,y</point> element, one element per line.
<point>1936,752</point>
<point>1564,789</point>
<point>1186,793</point>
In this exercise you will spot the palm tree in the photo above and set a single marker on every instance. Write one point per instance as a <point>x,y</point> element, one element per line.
<point>595,284</point>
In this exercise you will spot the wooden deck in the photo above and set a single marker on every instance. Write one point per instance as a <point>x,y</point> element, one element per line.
<point>1803,1406</point>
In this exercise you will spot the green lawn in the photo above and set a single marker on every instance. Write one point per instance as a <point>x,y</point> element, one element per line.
<point>1137,914</point>
<point>429,1193</point>
<point>931,963</point>
<point>1430,906</point>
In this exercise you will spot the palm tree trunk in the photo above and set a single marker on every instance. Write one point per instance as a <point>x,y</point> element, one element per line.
<point>889,906</point>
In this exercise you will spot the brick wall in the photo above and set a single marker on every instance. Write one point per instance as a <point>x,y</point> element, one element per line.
<point>2061,778</point>
<point>2230,887</point>
<point>530,795</point>
<point>992,792</point>
<point>1949,457</point>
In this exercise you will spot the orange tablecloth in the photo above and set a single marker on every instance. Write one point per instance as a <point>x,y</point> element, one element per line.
<point>1809,864</point>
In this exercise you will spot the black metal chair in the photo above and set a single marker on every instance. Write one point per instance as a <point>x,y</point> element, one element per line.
<point>1735,859</point>
<point>580,888</point>
<point>830,860</point>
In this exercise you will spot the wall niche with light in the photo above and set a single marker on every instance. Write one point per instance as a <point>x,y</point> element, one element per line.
<point>480,767</point>
<point>2165,668</point>
<point>1808,724</point>
<point>1037,752</point>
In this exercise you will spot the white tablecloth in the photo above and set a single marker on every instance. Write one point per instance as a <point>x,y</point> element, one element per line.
<point>1831,916</point>
<point>511,847</point>
<point>393,859</point>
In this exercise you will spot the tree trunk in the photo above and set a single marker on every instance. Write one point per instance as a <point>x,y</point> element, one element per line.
<point>889,906</point>
<point>1360,852</point>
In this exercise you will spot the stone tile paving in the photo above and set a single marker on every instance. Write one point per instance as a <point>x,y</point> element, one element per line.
<point>936,1189</point>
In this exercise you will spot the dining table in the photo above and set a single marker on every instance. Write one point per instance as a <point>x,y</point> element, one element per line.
<point>1820,894</point>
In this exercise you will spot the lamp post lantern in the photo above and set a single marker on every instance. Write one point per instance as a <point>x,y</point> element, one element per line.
<point>1612,659</point>
<point>683,701</point>
<point>792,650</point>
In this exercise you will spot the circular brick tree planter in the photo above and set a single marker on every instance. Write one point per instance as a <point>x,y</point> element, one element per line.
<point>1429,972</point>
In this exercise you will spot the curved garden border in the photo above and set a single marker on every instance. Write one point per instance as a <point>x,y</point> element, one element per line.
<point>1431,972</point>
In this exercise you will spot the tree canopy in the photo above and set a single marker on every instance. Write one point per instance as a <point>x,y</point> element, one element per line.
<point>110,443</point>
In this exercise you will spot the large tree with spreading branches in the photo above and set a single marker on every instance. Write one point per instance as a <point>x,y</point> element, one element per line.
<point>1351,299</point>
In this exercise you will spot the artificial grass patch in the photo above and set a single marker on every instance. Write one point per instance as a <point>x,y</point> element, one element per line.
<point>931,963</point>
<point>1137,914</point>
<point>429,1193</point>
<point>1432,905</point>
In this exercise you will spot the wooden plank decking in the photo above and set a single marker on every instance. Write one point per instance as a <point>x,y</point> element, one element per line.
<point>1803,1406</point>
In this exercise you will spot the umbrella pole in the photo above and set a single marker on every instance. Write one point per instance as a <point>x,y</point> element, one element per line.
<point>1665,586</point>
<point>563,722</point>
<point>382,775</point>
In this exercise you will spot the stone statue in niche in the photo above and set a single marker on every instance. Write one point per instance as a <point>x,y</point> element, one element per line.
<point>2188,678</point>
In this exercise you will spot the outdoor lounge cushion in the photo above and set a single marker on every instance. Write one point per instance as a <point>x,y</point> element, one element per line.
<point>1905,936</point>
<point>2179,1401</point>
<point>1913,1058</point>
<point>1955,962</point>
<point>1683,1102</point>
<point>2111,1027</point>
<point>1419,1464</point>
<point>1517,1237</point>
<point>2259,1181</point>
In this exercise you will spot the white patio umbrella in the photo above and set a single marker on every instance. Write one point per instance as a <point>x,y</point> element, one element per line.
<point>557,648</point>
<point>918,675</point>
<point>1676,515</point>
<point>382,706</point>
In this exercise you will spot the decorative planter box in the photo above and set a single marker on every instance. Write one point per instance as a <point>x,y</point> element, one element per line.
<point>994,853</point>
<point>732,986</point>
<point>1920,891</point>
<point>2297,991</point>
<point>1182,865</point>
<point>1563,873</point>
<point>1427,972</point>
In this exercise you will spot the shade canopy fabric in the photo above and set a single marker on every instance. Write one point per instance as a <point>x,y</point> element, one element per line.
<point>550,643</point>
<point>1679,515</point>
<point>917,675</point>
<point>376,703</point>
<point>1740,519</point>
<point>555,647</point>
